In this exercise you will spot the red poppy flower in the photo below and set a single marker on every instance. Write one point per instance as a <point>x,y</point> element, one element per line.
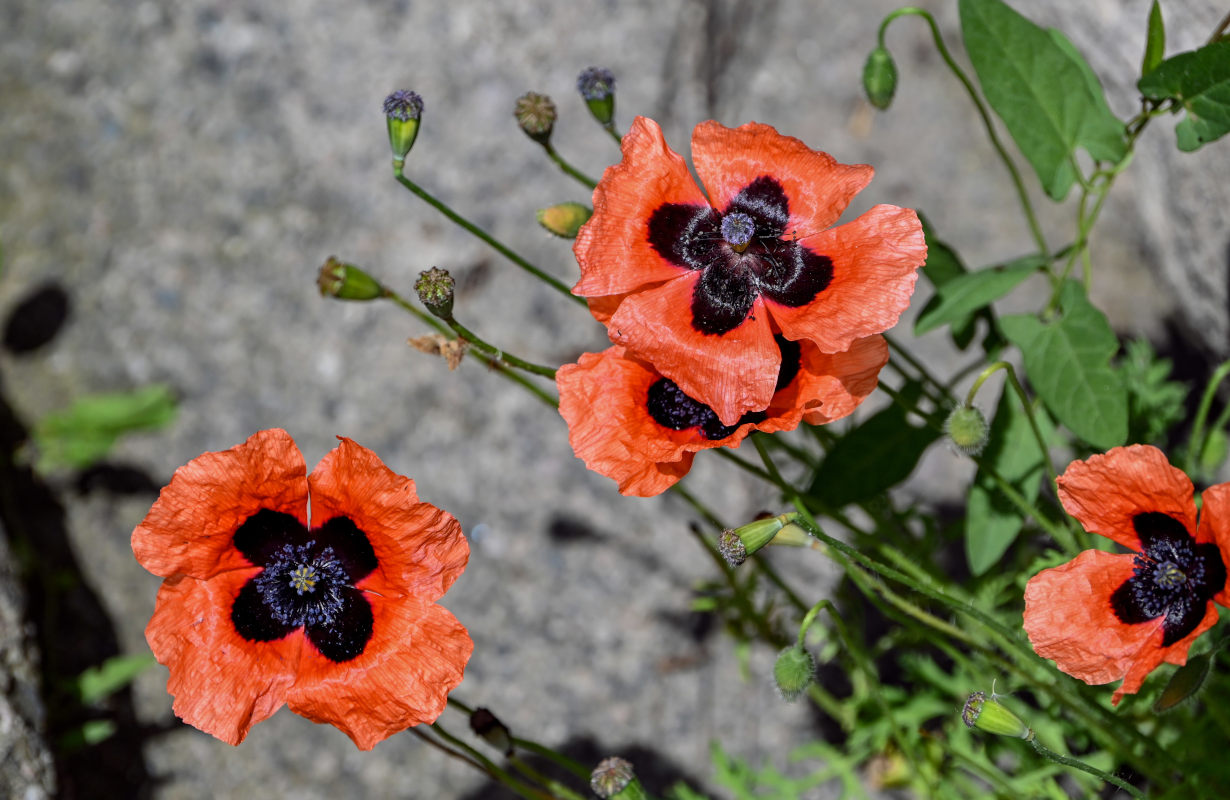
<point>698,286</point>
<point>335,619</point>
<point>1106,616</point>
<point>628,422</point>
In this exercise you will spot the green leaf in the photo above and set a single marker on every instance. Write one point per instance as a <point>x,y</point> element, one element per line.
<point>1068,363</point>
<point>964,295</point>
<point>85,432</point>
<point>878,454</point>
<point>943,265</point>
<point>110,676</point>
<point>1199,80</point>
<point>1043,90</point>
<point>1155,40</point>
<point>992,522</point>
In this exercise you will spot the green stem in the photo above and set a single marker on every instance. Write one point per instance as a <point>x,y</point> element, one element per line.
<point>494,243</point>
<point>1025,403</point>
<point>496,353</point>
<point>610,128</point>
<point>1196,443</point>
<point>1034,228</point>
<point>559,759</point>
<point>568,169</point>
<point>1068,761</point>
<point>468,755</point>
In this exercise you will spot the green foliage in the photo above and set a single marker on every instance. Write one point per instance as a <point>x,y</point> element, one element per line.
<point>1155,403</point>
<point>1043,90</point>
<point>992,522</point>
<point>1199,82</point>
<point>943,265</point>
<point>1068,363</point>
<point>86,431</point>
<point>1155,40</point>
<point>959,298</point>
<point>99,682</point>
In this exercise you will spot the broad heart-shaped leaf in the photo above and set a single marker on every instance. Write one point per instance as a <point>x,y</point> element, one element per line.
<point>992,522</point>
<point>943,265</point>
<point>1068,363</point>
<point>878,454</point>
<point>1200,80</point>
<point>1043,91</point>
<point>962,296</point>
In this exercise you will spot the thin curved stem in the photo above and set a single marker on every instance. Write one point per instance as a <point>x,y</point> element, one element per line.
<point>1196,442</point>
<point>1068,761</point>
<point>568,169</point>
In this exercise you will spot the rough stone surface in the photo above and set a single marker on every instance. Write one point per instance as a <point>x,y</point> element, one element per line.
<point>183,168</point>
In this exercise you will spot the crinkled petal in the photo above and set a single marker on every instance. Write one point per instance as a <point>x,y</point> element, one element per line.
<point>613,248</point>
<point>189,528</point>
<point>417,655</point>
<point>841,380</point>
<point>419,548</point>
<point>817,187</point>
<point>1106,491</point>
<point>1215,527</point>
<point>731,373</point>
<point>222,683</point>
<point>875,265</point>
<point>1069,619</point>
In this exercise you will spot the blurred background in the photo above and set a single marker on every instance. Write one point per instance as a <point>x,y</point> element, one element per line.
<point>175,173</point>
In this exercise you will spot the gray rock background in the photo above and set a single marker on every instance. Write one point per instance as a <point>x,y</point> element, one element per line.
<point>183,168</point>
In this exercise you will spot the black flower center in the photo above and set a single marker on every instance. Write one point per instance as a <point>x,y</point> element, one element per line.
<point>671,408</point>
<point>740,255</point>
<point>1173,577</point>
<point>307,581</point>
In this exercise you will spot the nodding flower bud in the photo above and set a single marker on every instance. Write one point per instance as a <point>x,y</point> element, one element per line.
<point>564,219</point>
<point>967,429</point>
<point>347,282</point>
<point>736,545</point>
<point>435,290</point>
<point>402,110</point>
<point>597,88</point>
<point>793,672</point>
<point>880,78</point>
<point>491,730</point>
<point>987,715</point>
<point>535,114</point>
<point>1185,682</point>
<point>614,779</point>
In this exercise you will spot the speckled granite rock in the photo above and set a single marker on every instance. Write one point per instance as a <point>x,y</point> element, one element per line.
<point>183,168</point>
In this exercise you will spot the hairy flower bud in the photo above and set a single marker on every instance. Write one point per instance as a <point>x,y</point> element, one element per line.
<point>535,114</point>
<point>347,282</point>
<point>880,78</point>
<point>402,111</point>
<point>967,429</point>
<point>435,290</point>
<point>794,671</point>
<point>597,88</point>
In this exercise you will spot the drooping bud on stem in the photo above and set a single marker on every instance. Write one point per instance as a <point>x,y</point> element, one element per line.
<point>564,219</point>
<point>535,114</point>
<point>435,290</point>
<point>402,110</point>
<point>880,78</point>
<point>967,429</point>
<point>794,671</point>
<point>491,730</point>
<point>597,88</point>
<point>347,282</point>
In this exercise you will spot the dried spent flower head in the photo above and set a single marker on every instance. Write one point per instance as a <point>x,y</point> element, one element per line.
<point>611,776</point>
<point>596,83</point>
<point>451,350</point>
<point>536,115</point>
<point>403,105</point>
<point>435,289</point>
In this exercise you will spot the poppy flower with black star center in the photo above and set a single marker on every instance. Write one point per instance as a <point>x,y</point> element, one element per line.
<point>628,422</point>
<point>698,285</point>
<point>334,617</point>
<point>1106,616</point>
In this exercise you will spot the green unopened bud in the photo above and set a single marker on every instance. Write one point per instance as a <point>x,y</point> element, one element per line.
<point>402,110</point>
<point>987,715</point>
<point>535,114</point>
<point>1185,682</point>
<point>564,219</point>
<point>488,727</point>
<point>967,429</point>
<point>880,78</point>
<point>614,779</point>
<point>435,290</point>
<point>347,282</point>
<point>597,88</point>
<point>736,545</point>
<point>793,672</point>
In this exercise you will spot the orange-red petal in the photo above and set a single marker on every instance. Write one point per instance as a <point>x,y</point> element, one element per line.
<point>190,527</point>
<point>222,683</point>
<point>875,265</point>
<point>731,373</point>
<point>416,656</point>
<point>1069,619</point>
<point>1106,491</point>
<point>419,548</point>
<point>842,380</point>
<point>1215,527</point>
<point>613,248</point>
<point>818,187</point>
